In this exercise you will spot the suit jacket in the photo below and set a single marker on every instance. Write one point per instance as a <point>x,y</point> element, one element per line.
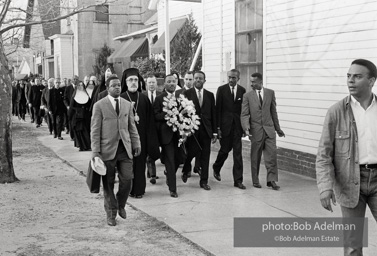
<point>107,129</point>
<point>45,98</point>
<point>146,94</point>
<point>55,102</point>
<point>207,112</point>
<point>228,109</point>
<point>35,95</point>
<point>179,92</point>
<point>164,132</point>
<point>68,94</point>
<point>258,118</point>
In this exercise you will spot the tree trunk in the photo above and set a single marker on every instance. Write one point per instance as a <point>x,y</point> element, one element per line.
<point>6,159</point>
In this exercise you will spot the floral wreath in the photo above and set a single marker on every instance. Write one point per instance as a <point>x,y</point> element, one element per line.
<point>181,116</point>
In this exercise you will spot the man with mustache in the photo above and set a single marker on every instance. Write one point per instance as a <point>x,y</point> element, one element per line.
<point>144,121</point>
<point>115,140</point>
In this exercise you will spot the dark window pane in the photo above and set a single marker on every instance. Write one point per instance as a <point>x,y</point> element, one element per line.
<point>102,13</point>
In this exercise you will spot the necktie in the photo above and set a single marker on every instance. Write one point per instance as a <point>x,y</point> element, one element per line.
<point>152,98</point>
<point>260,98</point>
<point>117,106</point>
<point>233,92</point>
<point>200,98</point>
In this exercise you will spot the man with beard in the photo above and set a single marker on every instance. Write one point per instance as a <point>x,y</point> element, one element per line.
<point>168,139</point>
<point>56,108</point>
<point>145,126</point>
<point>35,100</point>
<point>115,140</point>
<point>204,102</point>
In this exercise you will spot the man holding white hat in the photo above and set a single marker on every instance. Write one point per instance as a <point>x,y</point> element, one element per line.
<point>114,139</point>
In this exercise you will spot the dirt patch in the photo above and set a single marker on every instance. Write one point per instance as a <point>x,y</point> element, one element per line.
<point>50,211</point>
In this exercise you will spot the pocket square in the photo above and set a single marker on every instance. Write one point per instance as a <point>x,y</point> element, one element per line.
<point>239,99</point>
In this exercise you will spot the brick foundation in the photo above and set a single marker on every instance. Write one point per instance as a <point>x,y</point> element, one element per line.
<point>288,160</point>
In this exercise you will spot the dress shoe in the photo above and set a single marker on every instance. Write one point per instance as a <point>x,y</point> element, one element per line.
<point>153,180</point>
<point>55,136</point>
<point>173,194</point>
<point>273,185</point>
<point>38,125</point>
<point>198,170</point>
<point>111,222</point>
<point>239,185</point>
<point>217,175</point>
<point>132,195</point>
<point>138,196</point>
<point>184,177</point>
<point>60,138</point>
<point>257,185</point>
<point>122,213</point>
<point>205,186</point>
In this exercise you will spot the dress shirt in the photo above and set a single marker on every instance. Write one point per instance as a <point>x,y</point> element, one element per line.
<point>366,123</point>
<point>150,93</point>
<point>261,92</point>
<point>235,91</point>
<point>113,101</point>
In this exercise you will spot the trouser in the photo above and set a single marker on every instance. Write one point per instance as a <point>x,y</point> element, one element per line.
<point>151,165</point>
<point>123,164</point>
<point>171,158</point>
<point>368,196</point>
<point>268,147</point>
<point>37,116</point>
<point>200,143</point>
<point>227,143</point>
<point>57,123</point>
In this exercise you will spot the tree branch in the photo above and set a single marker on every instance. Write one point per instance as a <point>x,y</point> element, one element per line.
<point>4,11</point>
<point>82,9</point>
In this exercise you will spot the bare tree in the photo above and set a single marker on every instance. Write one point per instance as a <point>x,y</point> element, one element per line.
<point>11,20</point>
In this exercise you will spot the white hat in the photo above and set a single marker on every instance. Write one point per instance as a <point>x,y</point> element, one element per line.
<point>98,166</point>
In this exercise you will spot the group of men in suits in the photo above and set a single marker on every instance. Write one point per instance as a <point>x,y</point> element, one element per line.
<point>233,115</point>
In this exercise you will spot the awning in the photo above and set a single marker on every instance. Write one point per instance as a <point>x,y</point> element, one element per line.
<point>174,27</point>
<point>130,50</point>
<point>20,76</point>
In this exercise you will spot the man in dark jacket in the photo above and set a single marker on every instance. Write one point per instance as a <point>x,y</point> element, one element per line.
<point>204,102</point>
<point>35,100</point>
<point>56,108</point>
<point>228,110</point>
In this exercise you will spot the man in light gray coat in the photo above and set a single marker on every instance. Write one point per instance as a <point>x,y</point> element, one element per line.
<point>114,139</point>
<point>259,119</point>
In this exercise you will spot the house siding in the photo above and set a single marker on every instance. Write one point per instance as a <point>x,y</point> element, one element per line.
<point>308,49</point>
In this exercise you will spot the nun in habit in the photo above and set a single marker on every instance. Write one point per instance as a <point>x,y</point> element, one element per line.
<point>146,128</point>
<point>79,117</point>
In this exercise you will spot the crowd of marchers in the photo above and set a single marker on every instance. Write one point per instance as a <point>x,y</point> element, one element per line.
<point>83,109</point>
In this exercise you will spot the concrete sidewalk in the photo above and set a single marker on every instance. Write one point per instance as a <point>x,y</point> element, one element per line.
<point>206,217</point>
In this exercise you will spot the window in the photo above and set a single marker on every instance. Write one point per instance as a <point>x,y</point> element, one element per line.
<point>52,46</point>
<point>102,13</point>
<point>135,14</point>
<point>249,38</point>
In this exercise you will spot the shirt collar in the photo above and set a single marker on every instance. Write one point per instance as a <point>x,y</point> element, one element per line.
<point>354,101</point>
<point>112,98</point>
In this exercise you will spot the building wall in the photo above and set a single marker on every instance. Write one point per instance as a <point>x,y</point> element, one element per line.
<point>179,9</point>
<point>218,41</point>
<point>309,46</point>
